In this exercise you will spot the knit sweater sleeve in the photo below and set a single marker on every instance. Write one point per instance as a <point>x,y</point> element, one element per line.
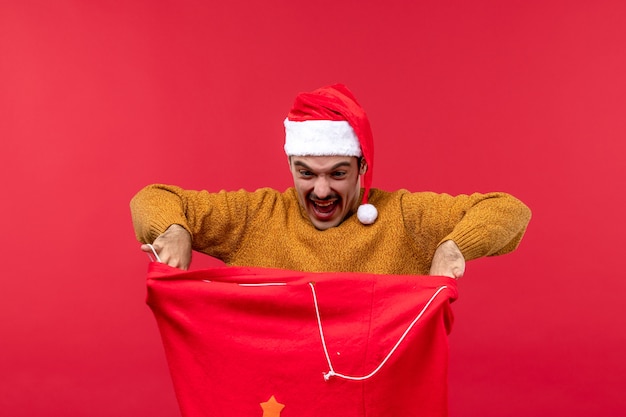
<point>480,224</point>
<point>217,222</point>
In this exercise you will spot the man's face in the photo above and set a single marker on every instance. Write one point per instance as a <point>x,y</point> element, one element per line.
<point>327,186</point>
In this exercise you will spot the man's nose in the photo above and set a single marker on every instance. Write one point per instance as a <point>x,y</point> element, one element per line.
<point>322,188</point>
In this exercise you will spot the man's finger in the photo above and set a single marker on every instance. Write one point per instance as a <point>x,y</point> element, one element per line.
<point>146,248</point>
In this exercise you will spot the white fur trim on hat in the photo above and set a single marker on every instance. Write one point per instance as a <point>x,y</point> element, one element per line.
<point>321,138</point>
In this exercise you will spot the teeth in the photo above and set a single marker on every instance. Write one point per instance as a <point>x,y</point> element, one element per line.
<point>325,204</point>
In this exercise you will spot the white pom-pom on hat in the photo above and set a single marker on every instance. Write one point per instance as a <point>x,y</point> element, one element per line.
<point>367,213</point>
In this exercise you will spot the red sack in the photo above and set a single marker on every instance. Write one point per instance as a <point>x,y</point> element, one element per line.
<point>247,342</point>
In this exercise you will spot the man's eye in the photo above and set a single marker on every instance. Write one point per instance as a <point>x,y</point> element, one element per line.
<point>339,174</point>
<point>304,173</point>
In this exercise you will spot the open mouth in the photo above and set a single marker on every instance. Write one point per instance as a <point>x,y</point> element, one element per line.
<point>324,209</point>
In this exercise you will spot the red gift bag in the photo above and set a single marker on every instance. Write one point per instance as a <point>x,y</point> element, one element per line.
<point>247,342</point>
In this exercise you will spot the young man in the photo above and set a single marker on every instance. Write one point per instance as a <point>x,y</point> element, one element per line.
<point>327,221</point>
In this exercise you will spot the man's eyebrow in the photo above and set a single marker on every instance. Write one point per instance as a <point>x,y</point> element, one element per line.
<point>341,164</point>
<point>302,164</point>
<point>334,167</point>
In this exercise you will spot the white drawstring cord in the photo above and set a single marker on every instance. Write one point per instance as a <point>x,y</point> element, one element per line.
<point>156,255</point>
<point>331,372</point>
<point>264,284</point>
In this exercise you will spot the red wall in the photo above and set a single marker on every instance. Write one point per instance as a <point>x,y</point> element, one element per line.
<point>98,98</point>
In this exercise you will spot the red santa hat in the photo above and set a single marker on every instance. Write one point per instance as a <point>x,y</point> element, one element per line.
<point>330,122</point>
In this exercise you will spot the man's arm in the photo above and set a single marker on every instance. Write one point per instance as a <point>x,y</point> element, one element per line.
<point>451,230</point>
<point>173,247</point>
<point>491,225</point>
<point>488,224</point>
<point>156,207</point>
<point>158,214</point>
<point>176,221</point>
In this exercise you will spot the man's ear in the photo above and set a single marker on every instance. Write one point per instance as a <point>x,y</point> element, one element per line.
<point>363,167</point>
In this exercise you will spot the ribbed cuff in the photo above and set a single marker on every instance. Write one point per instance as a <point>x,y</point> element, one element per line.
<point>471,242</point>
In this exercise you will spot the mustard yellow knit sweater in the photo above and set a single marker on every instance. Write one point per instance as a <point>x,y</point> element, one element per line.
<point>267,228</point>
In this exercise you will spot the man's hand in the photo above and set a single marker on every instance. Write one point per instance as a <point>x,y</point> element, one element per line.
<point>173,247</point>
<point>448,261</point>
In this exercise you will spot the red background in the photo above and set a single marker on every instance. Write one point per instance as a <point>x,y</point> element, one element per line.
<point>98,98</point>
